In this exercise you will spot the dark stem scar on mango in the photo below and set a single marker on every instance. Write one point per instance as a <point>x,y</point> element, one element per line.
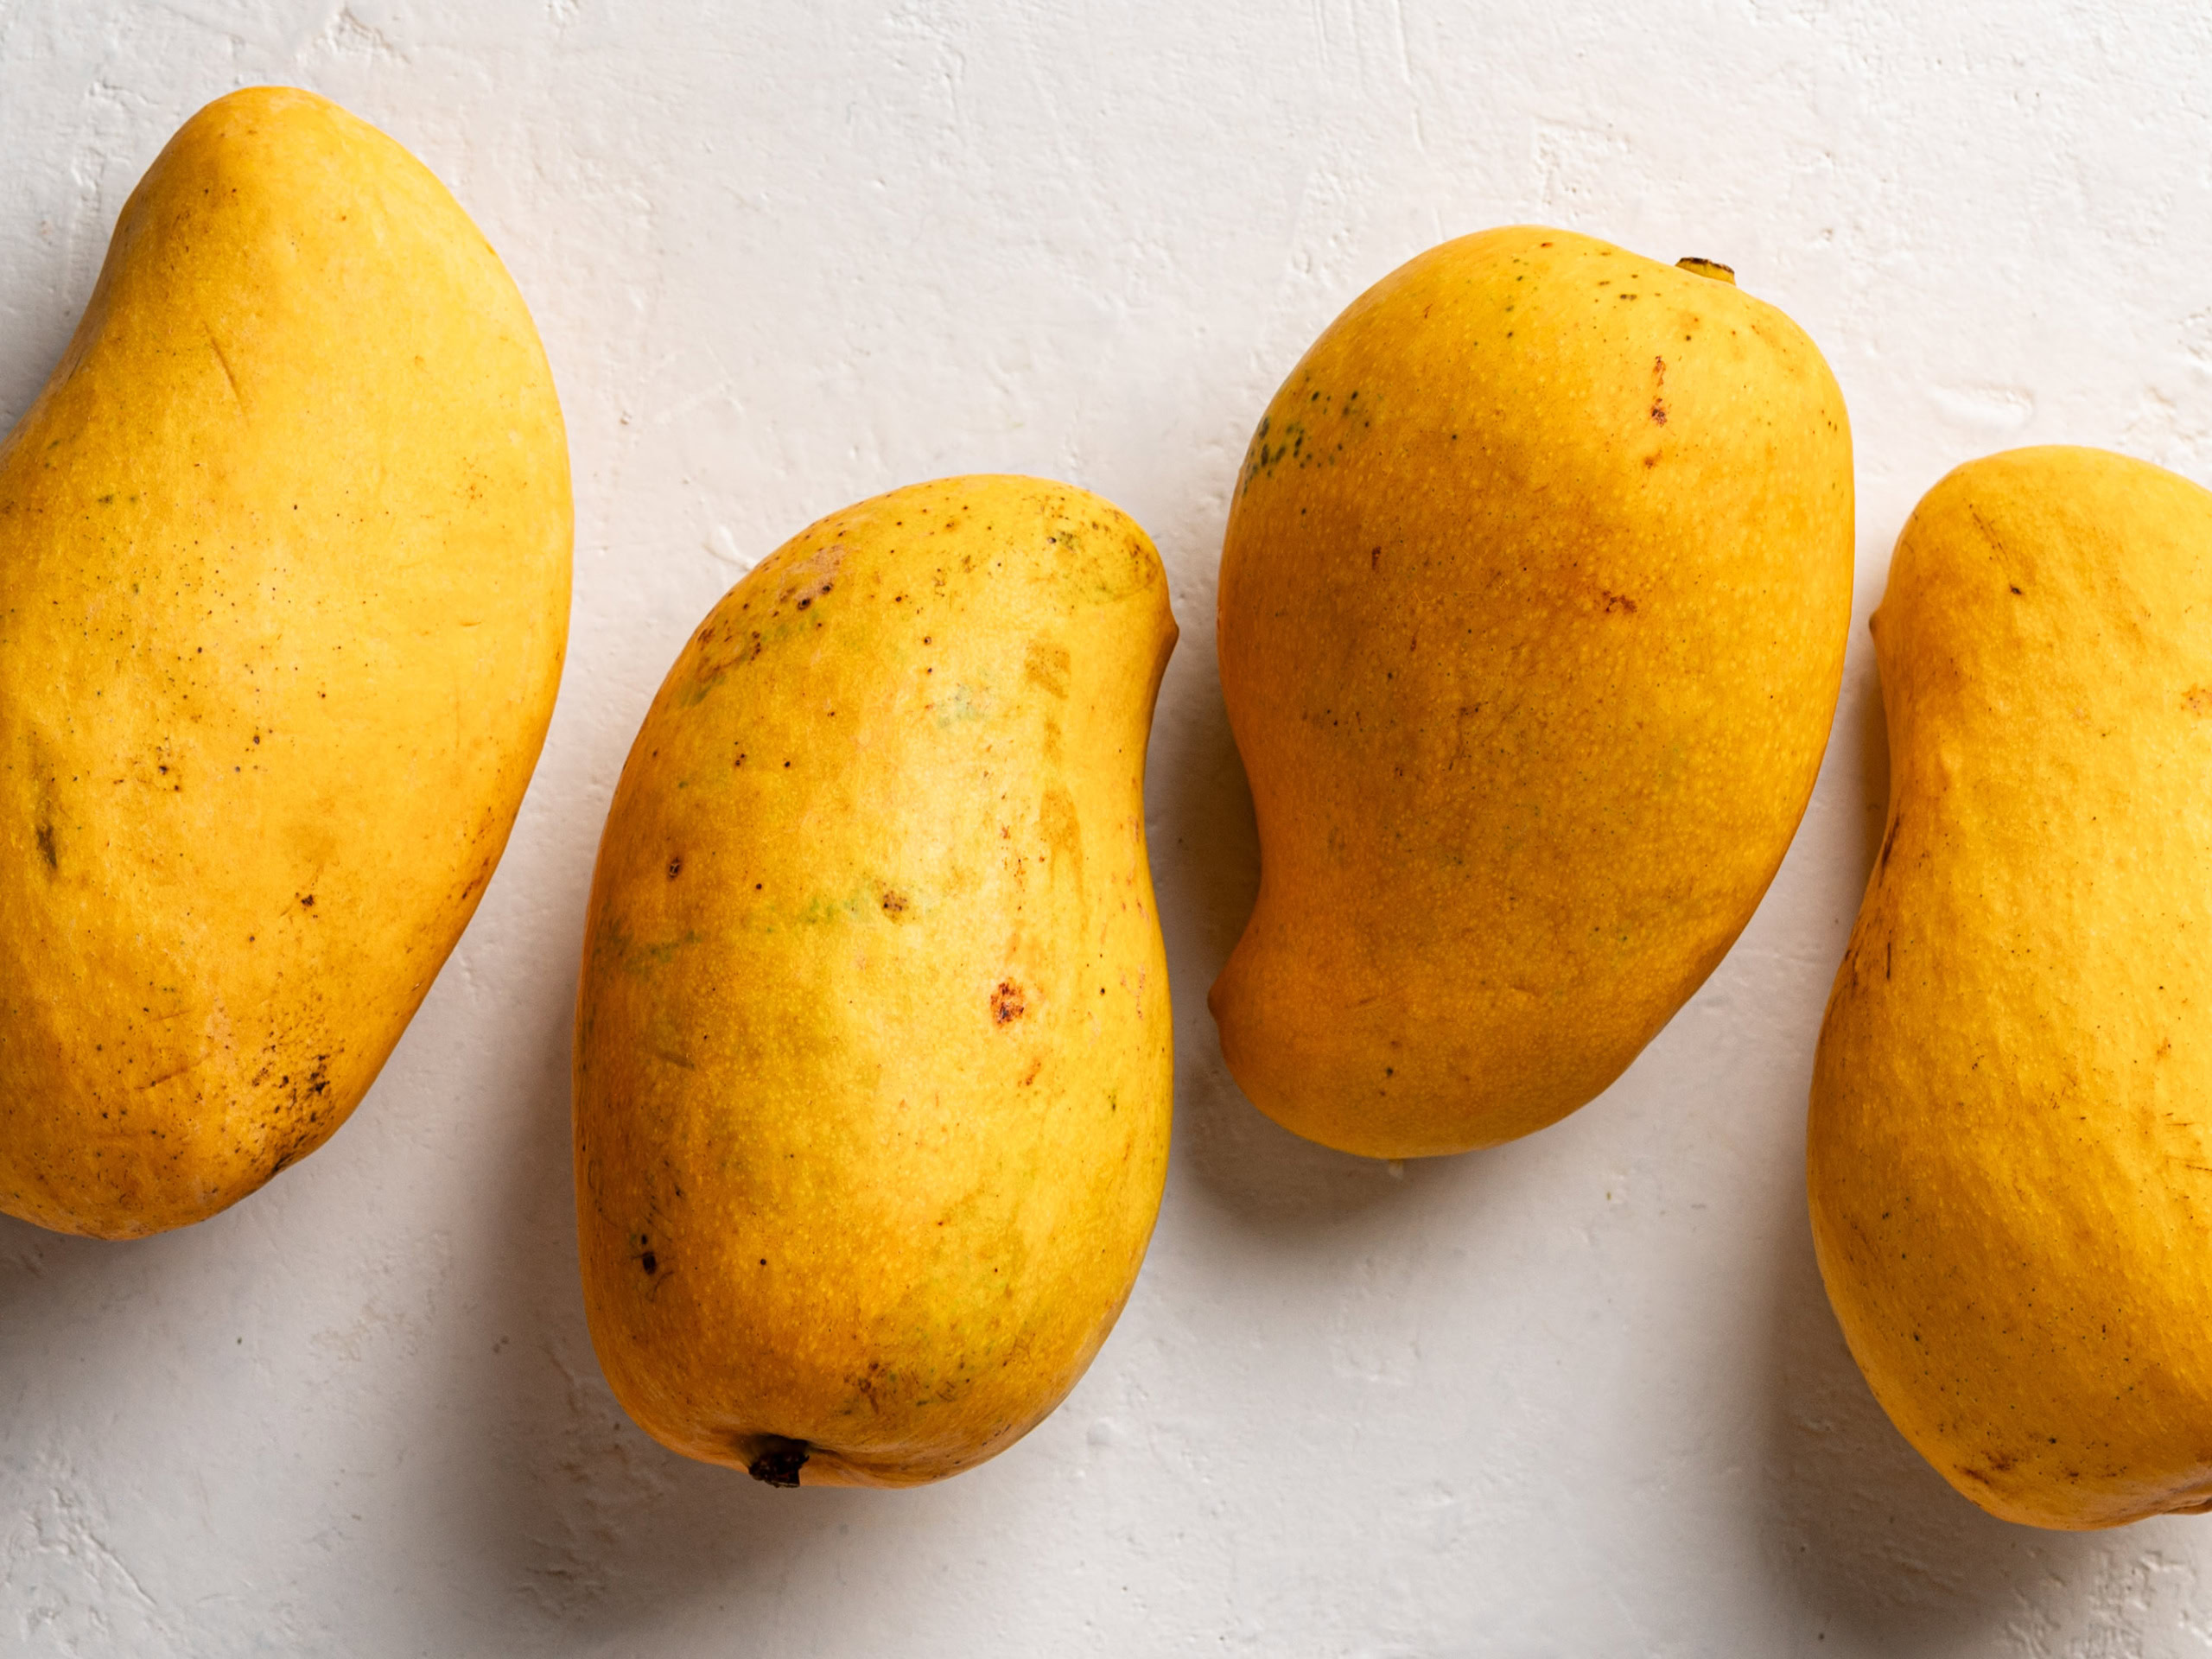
<point>778,1461</point>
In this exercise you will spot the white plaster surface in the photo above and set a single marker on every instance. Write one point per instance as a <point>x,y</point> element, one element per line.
<point>1580,1396</point>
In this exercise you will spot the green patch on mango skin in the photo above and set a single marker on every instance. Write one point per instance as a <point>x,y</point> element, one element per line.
<point>659,955</point>
<point>1305,426</point>
<point>963,706</point>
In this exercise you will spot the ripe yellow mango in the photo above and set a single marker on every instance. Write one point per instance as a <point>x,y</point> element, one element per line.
<point>2010,1152</point>
<point>874,1061</point>
<point>1533,606</point>
<point>283,592</point>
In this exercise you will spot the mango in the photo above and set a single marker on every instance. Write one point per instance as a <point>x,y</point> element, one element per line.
<point>874,1061</point>
<point>2009,1153</point>
<point>1533,605</point>
<point>284,549</point>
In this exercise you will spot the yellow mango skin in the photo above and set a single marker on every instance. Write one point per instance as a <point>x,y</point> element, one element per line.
<point>284,549</point>
<point>874,1061</point>
<point>1533,606</point>
<point>2010,1143</point>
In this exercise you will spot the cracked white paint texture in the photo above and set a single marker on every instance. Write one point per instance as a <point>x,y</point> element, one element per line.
<point>1579,1395</point>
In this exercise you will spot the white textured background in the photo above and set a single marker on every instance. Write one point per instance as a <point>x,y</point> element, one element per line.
<point>1579,1397</point>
